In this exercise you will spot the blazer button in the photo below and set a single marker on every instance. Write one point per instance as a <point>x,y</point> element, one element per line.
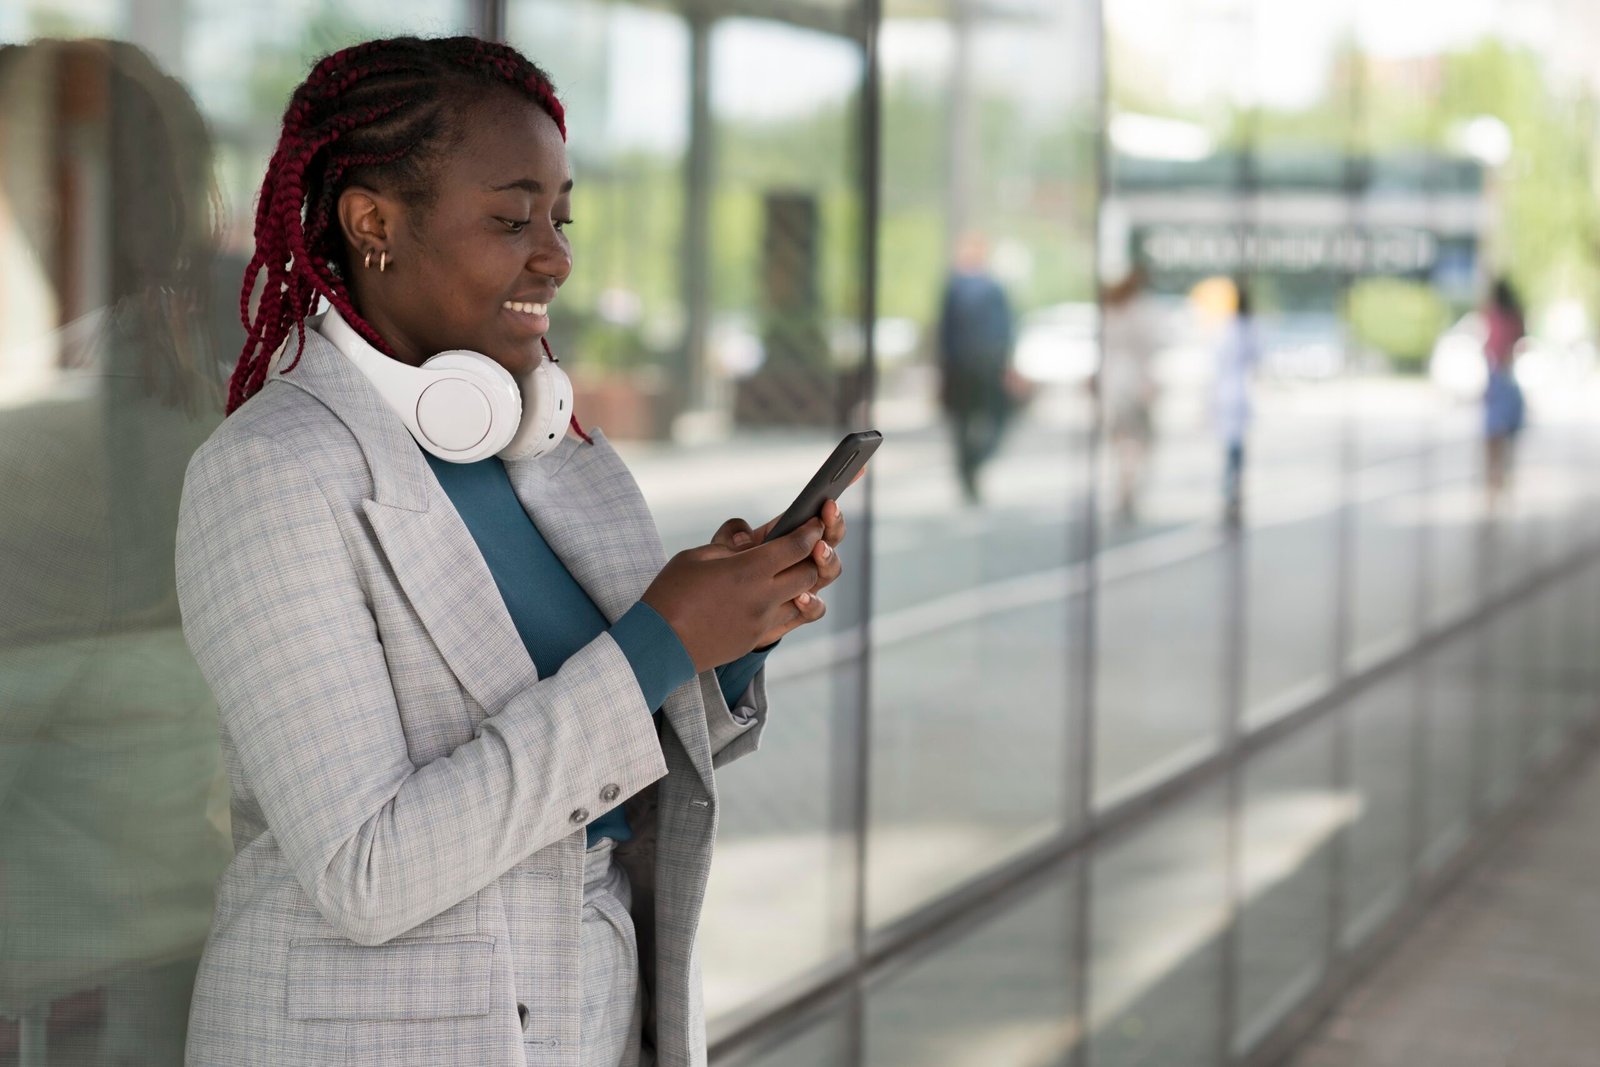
<point>522,1015</point>
<point>579,816</point>
<point>610,793</point>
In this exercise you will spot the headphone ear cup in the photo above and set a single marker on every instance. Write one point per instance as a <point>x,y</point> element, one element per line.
<point>547,410</point>
<point>470,407</point>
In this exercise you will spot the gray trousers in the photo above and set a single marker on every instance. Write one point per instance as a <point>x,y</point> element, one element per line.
<point>613,998</point>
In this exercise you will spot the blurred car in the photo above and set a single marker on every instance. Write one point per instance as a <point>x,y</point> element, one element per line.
<point>1057,344</point>
<point>1302,344</point>
<point>1456,364</point>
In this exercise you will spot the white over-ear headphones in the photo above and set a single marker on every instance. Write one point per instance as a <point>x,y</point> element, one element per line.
<point>463,406</point>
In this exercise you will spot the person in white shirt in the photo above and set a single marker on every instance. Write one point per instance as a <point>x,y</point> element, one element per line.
<point>1237,356</point>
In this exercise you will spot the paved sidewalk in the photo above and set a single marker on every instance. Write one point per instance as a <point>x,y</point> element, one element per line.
<point>1505,972</point>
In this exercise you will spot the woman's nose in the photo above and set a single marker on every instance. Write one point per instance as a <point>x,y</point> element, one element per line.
<point>552,257</point>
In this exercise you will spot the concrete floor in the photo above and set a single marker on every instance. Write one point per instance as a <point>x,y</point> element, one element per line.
<point>1505,972</point>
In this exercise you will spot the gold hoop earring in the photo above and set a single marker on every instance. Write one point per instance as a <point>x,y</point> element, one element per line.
<point>383,261</point>
<point>366,261</point>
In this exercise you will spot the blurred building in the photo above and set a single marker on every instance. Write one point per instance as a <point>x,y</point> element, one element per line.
<point>1050,785</point>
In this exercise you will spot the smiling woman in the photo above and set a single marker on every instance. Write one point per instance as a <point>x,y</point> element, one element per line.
<point>453,669</point>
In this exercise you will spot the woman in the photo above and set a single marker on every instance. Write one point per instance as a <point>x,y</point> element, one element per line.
<point>1238,355</point>
<point>461,835</point>
<point>1502,398</point>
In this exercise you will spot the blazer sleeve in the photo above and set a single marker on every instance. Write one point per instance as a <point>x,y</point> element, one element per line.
<point>277,616</point>
<point>735,729</point>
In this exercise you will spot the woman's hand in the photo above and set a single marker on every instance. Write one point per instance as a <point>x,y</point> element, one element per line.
<point>722,601</point>
<point>737,535</point>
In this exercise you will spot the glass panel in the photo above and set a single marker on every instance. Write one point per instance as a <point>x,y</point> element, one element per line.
<point>1002,993</point>
<point>1455,704</point>
<point>1577,637</point>
<point>968,763</point>
<point>1158,679</point>
<point>1455,541</point>
<point>825,1044</point>
<point>1171,204</point>
<point>1543,674</point>
<point>1301,278</point>
<point>784,847</point>
<point>1505,706</point>
<point>718,266</point>
<point>1380,725</point>
<point>1158,910</point>
<point>985,240</point>
<point>1293,604</point>
<point>1291,815</point>
<point>1389,519</point>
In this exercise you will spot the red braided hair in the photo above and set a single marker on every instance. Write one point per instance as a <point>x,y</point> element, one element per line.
<point>375,113</point>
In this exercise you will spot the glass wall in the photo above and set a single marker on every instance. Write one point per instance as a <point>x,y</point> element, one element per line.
<point>1190,628</point>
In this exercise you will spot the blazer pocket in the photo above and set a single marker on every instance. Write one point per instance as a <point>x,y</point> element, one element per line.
<point>439,979</point>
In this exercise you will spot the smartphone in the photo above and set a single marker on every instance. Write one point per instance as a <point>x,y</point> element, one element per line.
<point>829,481</point>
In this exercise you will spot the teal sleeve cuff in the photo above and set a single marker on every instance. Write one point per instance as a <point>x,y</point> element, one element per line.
<point>734,678</point>
<point>658,658</point>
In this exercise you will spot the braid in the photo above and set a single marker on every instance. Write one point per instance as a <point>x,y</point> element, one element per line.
<point>376,113</point>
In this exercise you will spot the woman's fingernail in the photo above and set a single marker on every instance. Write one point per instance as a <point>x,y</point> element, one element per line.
<point>827,550</point>
<point>740,540</point>
<point>804,599</point>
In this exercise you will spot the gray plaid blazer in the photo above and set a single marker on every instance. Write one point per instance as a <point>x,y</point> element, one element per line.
<point>408,796</point>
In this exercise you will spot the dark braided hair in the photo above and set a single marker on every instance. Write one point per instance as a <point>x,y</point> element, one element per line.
<point>378,114</point>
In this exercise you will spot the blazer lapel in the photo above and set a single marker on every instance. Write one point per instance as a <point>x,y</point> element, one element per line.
<point>590,511</point>
<point>582,497</point>
<point>429,548</point>
<point>444,575</point>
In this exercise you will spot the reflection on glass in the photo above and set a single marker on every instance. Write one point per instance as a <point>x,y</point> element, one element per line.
<point>1506,704</point>
<point>1291,816</point>
<point>825,1044</point>
<point>1389,515</point>
<point>1455,541</point>
<point>970,760</point>
<point>1574,635</point>
<point>983,339</point>
<point>1158,908</point>
<point>779,902</point>
<point>1455,706</point>
<point>1000,994</point>
<point>1293,613</point>
<point>1377,856</point>
<point>1548,670</point>
<point>113,820</point>
<point>1158,682</point>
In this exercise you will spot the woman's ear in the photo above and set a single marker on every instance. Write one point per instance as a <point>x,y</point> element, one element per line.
<point>366,217</point>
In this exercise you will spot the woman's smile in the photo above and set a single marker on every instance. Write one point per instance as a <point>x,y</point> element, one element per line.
<point>529,318</point>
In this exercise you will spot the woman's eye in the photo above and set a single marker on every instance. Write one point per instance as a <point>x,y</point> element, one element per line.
<point>515,225</point>
<point>562,224</point>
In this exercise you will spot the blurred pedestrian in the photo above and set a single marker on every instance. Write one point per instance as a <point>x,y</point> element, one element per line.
<point>1238,355</point>
<point>1503,408</point>
<point>1126,384</point>
<point>975,337</point>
